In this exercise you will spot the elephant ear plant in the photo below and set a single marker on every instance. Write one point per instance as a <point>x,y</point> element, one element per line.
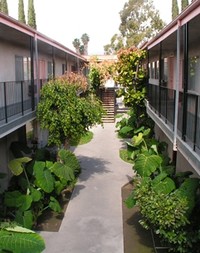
<point>16,239</point>
<point>38,186</point>
<point>168,201</point>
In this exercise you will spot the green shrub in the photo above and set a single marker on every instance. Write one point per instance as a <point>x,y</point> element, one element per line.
<point>64,113</point>
<point>167,212</point>
<point>38,185</point>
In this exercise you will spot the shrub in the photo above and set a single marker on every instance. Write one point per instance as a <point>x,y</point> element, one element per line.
<point>37,185</point>
<point>167,211</point>
<point>64,113</point>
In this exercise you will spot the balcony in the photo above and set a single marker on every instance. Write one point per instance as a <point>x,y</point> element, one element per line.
<point>17,105</point>
<point>161,108</point>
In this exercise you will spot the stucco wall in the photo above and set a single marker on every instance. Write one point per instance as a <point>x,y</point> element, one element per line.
<point>7,60</point>
<point>181,162</point>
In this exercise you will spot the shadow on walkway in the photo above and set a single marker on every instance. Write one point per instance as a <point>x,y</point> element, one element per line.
<point>91,166</point>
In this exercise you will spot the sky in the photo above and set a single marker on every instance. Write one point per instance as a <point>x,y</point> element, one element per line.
<point>65,20</point>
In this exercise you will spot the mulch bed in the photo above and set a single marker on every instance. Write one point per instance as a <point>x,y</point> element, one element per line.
<point>51,221</point>
<point>136,238</point>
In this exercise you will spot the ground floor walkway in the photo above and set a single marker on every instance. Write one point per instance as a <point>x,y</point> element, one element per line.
<point>93,219</point>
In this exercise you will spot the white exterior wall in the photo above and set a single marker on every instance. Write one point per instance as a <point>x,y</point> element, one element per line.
<point>7,60</point>
<point>58,65</point>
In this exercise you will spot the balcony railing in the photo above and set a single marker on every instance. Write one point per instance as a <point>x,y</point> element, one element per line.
<point>162,102</point>
<point>16,99</point>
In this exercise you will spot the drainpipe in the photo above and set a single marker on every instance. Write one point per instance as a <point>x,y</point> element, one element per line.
<point>37,67</point>
<point>32,73</point>
<point>53,59</point>
<point>176,95</point>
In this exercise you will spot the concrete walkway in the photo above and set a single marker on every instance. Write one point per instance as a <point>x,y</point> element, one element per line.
<point>93,219</point>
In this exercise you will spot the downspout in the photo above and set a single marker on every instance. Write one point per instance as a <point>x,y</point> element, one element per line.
<point>53,59</point>
<point>66,62</point>
<point>36,127</point>
<point>174,156</point>
<point>32,73</point>
<point>78,65</point>
<point>37,68</point>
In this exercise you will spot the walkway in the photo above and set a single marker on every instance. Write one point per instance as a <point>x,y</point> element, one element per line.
<point>93,220</point>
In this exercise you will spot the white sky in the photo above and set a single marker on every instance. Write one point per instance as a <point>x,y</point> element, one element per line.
<point>65,20</point>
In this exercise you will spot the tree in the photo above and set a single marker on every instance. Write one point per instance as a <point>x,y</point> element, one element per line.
<point>21,15</point>
<point>31,14</point>
<point>81,48</point>
<point>131,77</point>
<point>63,113</point>
<point>140,21</point>
<point>116,43</point>
<point>100,72</point>
<point>76,43</point>
<point>85,39</point>
<point>184,4</point>
<point>175,9</point>
<point>4,6</point>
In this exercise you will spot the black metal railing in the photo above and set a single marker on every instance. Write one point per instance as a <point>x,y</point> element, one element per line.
<point>16,99</point>
<point>162,102</point>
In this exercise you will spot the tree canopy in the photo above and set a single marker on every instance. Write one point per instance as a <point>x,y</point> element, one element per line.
<point>4,6</point>
<point>31,14</point>
<point>175,9</point>
<point>184,4</point>
<point>64,113</point>
<point>81,48</point>
<point>140,21</point>
<point>21,14</point>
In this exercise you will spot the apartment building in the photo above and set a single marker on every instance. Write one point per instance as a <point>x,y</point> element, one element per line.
<point>27,60</point>
<point>174,87</point>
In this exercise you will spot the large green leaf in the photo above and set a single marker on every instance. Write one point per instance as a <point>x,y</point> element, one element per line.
<point>35,194</point>
<point>188,190</point>
<point>25,202</point>
<point>165,186</point>
<point>126,130</point>
<point>137,139</point>
<point>44,178</point>
<point>54,205</point>
<point>25,219</point>
<point>146,132</point>
<point>130,201</point>
<point>21,242</point>
<point>67,157</point>
<point>60,185</point>
<point>16,165</point>
<point>11,198</point>
<point>159,178</point>
<point>63,171</point>
<point>146,164</point>
<point>16,199</point>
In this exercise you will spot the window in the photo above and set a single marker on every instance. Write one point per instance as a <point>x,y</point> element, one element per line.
<point>153,70</point>
<point>22,68</point>
<point>157,70</point>
<point>164,72</point>
<point>27,68</point>
<point>50,69</point>
<point>74,69</point>
<point>64,68</point>
<point>194,74</point>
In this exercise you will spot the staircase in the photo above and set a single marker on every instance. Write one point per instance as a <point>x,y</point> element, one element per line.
<point>108,100</point>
